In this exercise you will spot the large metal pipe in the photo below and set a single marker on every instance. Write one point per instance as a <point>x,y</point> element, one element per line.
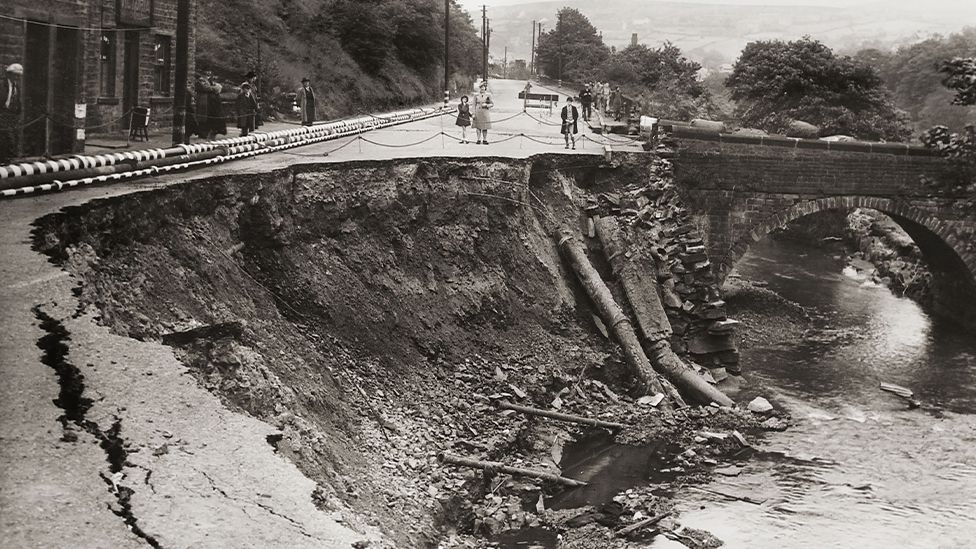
<point>612,315</point>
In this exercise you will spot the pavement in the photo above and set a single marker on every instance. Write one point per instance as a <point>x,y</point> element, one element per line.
<point>197,474</point>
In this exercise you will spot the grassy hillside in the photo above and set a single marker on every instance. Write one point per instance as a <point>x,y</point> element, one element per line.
<point>361,55</point>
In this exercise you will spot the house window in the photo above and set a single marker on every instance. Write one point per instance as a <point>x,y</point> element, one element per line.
<point>161,59</point>
<point>107,60</point>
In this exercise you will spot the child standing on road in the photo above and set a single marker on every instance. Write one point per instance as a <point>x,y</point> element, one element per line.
<point>464,118</point>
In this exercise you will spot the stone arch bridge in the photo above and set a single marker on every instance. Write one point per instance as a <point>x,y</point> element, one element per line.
<point>742,187</point>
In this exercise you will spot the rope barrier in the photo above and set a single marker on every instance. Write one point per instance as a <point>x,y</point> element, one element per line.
<point>400,146</point>
<point>224,150</point>
<point>131,164</point>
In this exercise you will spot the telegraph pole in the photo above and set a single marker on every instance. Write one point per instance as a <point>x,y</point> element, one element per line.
<point>505,66</point>
<point>484,43</point>
<point>447,51</point>
<point>532,57</point>
<point>559,35</point>
<point>488,44</point>
<point>540,42</point>
<point>182,70</point>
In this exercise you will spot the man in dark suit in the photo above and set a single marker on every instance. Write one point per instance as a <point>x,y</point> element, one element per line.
<point>586,99</point>
<point>306,102</point>
<point>570,116</point>
<point>10,108</point>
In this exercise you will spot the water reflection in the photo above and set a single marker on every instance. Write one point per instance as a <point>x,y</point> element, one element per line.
<point>898,478</point>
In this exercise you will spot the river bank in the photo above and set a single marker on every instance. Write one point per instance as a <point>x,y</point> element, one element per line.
<point>857,467</point>
<point>879,249</point>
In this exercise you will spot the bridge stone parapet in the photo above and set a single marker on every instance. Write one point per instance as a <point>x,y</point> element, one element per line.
<point>739,188</point>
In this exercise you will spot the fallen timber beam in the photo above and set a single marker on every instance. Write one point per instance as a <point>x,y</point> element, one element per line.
<point>502,468</point>
<point>561,416</point>
<point>613,316</point>
<point>642,524</point>
<point>642,294</point>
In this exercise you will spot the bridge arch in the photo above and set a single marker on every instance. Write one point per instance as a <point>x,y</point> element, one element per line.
<point>948,255</point>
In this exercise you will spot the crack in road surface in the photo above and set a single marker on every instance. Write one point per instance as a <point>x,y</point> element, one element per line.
<point>72,399</point>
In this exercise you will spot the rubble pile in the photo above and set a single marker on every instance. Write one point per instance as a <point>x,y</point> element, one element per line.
<point>662,236</point>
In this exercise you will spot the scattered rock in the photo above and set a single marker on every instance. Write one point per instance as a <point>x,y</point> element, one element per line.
<point>650,400</point>
<point>760,405</point>
<point>775,424</point>
<point>730,471</point>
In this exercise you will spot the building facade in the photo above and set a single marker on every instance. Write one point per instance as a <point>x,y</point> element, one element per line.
<point>88,64</point>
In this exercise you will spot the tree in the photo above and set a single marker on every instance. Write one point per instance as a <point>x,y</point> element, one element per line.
<point>775,82</point>
<point>961,78</point>
<point>663,77</point>
<point>572,51</point>
<point>959,149</point>
<point>912,74</point>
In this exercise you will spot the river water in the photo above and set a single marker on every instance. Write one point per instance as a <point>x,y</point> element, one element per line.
<point>859,470</point>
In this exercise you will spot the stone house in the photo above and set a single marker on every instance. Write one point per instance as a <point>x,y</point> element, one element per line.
<point>88,64</point>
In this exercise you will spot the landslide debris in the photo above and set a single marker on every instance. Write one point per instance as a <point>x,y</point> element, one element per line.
<point>374,313</point>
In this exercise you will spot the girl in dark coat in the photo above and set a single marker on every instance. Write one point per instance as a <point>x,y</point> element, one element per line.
<point>464,118</point>
<point>570,116</point>
<point>247,109</point>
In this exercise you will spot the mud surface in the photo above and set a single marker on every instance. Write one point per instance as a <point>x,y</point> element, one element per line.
<point>375,313</point>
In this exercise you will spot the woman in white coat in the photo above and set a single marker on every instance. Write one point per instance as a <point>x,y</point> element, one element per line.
<point>482,120</point>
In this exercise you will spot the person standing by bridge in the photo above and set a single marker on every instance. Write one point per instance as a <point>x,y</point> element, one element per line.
<point>306,102</point>
<point>570,117</point>
<point>482,120</point>
<point>586,100</point>
<point>616,102</point>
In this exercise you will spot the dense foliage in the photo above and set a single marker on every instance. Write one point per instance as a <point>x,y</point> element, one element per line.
<point>661,80</point>
<point>774,83</point>
<point>359,54</point>
<point>959,149</point>
<point>572,51</point>
<point>912,73</point>
<point>961,78</point>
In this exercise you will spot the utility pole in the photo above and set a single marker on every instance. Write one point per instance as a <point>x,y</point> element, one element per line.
<point>488,44</point>
<point>447,50</point>
<point>505,66</point>
<point>559,36</point>
<point>182,70</point>
<point>532,57</point>
<point>484,43</point>
<point>540,42</point>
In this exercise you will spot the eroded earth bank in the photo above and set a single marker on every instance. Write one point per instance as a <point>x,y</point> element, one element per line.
<point>375,314</point>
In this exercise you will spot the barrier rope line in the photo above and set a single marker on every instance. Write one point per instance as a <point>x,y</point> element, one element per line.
<point>326,153</point>
<point>223,150</point>
<point>404,145</point>
<point>227,149</point>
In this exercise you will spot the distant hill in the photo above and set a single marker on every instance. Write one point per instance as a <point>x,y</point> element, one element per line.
<point>715,34</point>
